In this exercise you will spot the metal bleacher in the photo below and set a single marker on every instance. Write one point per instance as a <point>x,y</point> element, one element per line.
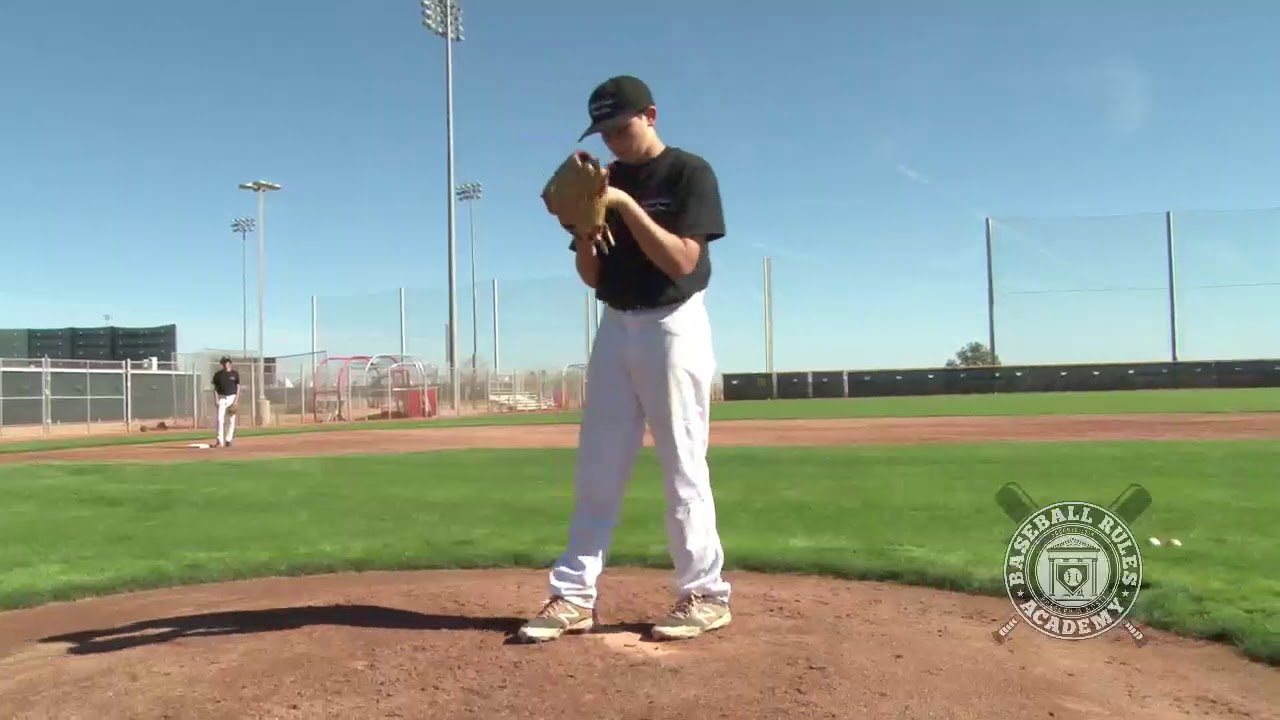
<point>506,394</point>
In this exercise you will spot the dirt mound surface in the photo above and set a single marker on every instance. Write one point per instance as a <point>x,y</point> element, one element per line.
<point>836,431</point>
<point>438,645</point>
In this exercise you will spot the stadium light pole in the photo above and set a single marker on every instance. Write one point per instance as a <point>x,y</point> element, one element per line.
<point>244,226</point>
<point>469,193</point>
<point>261,188</point>
<point>444,18</point>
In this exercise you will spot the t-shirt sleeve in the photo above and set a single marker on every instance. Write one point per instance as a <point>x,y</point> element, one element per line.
<point>698,207</point>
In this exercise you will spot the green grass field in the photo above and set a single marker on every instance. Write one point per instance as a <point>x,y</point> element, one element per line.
<point>911,514</point>
<point>1147,401</point>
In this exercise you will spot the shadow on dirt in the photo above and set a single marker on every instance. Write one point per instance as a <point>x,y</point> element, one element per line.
<point>243,622</point>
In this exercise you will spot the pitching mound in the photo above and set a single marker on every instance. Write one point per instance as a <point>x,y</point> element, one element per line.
<point>438,645</point>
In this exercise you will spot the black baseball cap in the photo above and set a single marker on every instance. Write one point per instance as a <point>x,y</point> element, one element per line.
<point>615,101</point>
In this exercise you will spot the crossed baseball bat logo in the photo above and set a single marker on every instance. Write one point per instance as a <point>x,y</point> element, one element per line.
<point>1018,505</point>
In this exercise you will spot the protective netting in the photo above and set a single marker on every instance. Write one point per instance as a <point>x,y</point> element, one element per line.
<point>1096,289</point>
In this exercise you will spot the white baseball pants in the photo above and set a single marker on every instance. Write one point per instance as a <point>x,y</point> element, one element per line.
<point>226,425</point>
<point>654,365</point>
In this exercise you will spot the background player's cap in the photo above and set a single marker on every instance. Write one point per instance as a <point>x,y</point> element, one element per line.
<point>224,360</point>
<point>615,101</point>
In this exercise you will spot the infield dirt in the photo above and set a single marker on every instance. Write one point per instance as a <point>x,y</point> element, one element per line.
<point>437,644</point>
<point>842,431</point>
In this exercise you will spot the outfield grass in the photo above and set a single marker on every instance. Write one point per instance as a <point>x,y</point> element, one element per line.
<point>1056,403</point>
<point>921,514</point>
<point>1145,401</point>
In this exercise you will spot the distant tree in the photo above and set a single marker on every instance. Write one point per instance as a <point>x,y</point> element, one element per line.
<point>974,354</point>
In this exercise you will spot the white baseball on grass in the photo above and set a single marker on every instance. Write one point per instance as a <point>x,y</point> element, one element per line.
<point>1175,542</point>
<point>1154,541</point>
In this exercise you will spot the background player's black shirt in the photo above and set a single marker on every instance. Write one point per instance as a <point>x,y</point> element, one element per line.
<point>226,382</point>
<point>680,192</point>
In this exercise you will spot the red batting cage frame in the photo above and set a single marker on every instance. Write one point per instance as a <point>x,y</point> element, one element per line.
<point>372,387</point>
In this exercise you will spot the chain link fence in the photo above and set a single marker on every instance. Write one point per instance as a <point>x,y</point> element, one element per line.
<point>40,397</point>
<point>394,387</point>
<point>52,398</point>
<point>286,385</point>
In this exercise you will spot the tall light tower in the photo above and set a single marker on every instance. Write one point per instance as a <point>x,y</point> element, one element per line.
<point>468,193</point>
<point>261,188</point>
<point>444,18</point>
<point>244,226</point>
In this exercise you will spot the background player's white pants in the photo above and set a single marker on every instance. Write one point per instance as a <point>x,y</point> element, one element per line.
<point>657,364</point>
<point>226,425</point>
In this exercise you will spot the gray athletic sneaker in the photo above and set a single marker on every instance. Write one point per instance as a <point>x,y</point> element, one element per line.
<point>692,616</point>
<point>557,617</point>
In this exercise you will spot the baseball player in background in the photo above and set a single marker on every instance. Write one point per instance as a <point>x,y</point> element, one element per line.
<point>226,393</point>
<point>652,360</point>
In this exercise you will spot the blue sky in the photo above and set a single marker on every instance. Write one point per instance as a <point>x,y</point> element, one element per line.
<point>859,145</point>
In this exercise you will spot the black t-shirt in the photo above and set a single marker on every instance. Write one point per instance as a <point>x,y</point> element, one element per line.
<point>680,192</point>
<point>226,382</point>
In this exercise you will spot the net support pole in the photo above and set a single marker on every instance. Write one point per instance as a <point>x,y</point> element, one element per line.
<point>315,337</point>
<point>496,363</point>
<point>991,297</point>
<point>404,328</point>
<point>768,314</point>
<point>1173,291</point>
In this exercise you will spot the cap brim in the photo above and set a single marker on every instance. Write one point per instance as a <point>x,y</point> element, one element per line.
<point>609,124</point>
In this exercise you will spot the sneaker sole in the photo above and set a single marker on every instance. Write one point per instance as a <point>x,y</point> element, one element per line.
<point>685,633</point>
<point>536,635</point>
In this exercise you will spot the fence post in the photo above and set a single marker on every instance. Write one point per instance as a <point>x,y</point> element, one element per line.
<point>302,386</point>
<point>128,396</point>
<point>124,400</point>
<point>173,394</point>
<point>257,417</point>
<point>195,399</point>
<point>1,397</point>
<point>88,399</point>
<point>46,403</point>
<point>587,324</point>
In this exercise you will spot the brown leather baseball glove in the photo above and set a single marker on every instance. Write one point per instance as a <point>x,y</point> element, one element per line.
<point>575,194</point>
